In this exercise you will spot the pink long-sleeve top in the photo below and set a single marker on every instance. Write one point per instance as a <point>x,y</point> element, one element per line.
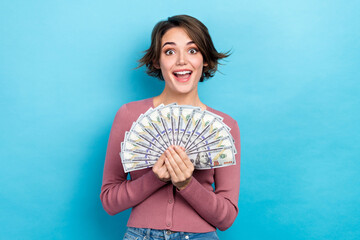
<point>159,205</point>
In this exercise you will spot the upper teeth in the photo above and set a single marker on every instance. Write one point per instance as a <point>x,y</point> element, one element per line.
<point>183,72</point>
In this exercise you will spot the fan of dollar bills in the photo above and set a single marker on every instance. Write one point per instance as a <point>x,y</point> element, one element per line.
<point>206,139</point>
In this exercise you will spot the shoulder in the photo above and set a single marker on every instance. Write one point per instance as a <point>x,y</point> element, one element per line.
<point>139,104</point>
<point>132,110</point>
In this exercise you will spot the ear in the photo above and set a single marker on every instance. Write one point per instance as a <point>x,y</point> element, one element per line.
<point>205,64</point>
<point>156,65</point>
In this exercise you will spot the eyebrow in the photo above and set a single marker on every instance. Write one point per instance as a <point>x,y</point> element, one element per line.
<point>172,43</point>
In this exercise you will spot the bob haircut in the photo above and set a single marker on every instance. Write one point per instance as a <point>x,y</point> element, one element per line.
<point>197,31</point>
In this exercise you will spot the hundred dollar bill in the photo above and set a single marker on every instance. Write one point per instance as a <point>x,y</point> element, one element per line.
<point>213,159</point>
<point>144,145</point>
<point>144,138</point>
<point>186,114</point>
<point>204,127</point>
<point>155,121</point>
<point>203,134</point>
<point>134,147</point>
<point>173,123</point>
<point>176,113</point>
<point>214,144</point>
<point>194,125</point>
<point>146,127</point>
<point>132,166</point>
<point>211,135</point>
<point>139,156</point>
<point>165,118</point>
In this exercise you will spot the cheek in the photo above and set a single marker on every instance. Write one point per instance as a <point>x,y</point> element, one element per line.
<point>166,71</point>
<point>165,66</point>
<point>198,63</point>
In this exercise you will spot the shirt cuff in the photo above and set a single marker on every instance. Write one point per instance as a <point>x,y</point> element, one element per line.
<point>189,188</point>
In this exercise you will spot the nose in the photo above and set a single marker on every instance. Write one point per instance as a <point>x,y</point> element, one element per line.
<point>181,60</point>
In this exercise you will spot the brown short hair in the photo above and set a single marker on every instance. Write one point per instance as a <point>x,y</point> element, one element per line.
<point>197,31</point>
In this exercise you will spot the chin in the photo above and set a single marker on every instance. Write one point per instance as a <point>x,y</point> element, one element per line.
<point>183,89</point>
<point>178,91</point>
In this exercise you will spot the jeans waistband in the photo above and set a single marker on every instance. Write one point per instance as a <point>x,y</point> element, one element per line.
<point>153,232</point>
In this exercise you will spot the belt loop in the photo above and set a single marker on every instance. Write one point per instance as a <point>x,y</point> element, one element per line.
<point>148,230</point>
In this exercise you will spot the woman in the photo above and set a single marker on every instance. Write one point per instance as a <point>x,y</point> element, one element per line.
<point>172,200</point>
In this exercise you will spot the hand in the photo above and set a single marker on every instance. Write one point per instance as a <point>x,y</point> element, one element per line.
<point>179,166</point>
<point>160,169</point>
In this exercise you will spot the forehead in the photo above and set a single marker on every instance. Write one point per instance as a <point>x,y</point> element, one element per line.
<point>175,34</point>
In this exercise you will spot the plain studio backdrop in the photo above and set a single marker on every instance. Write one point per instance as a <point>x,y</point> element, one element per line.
<point>292,83</point>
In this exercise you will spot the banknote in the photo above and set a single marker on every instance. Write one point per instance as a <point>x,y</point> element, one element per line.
<point>201,127</point>
<point>206,138</point>
<point>132,166</point>
<point>214,144</point>
<point>219,157</point>
<point>212,135</point>
<point>185,119</point>
<point>155,122</point>
<point>139,156</point>
<point>130,146</point>
<point>164,114</point>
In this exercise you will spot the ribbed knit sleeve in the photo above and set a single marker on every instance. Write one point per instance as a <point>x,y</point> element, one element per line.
<point>118,193</point>
<point>219,208</point>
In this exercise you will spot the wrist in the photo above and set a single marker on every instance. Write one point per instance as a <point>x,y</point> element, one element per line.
<point>164,180</point>
<point>184,186</point>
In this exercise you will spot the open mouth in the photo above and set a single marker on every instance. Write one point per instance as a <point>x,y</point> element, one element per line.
<point>182,76</point>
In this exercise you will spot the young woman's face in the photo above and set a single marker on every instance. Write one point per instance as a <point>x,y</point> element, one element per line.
<point>181,62</point>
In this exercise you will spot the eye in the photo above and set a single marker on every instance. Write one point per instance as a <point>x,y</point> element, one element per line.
<point>193,50</point>
<point>169,52</point>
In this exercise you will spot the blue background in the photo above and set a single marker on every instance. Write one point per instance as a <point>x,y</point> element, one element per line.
<point>292,83</point>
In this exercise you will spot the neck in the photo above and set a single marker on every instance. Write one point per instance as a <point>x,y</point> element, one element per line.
<point>191,98</point>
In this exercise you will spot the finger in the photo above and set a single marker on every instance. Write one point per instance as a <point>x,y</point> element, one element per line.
<point>161,160</point>
<point>166,174</point>
<point>178,159</point>
<point>163,168</point>
<point>170,169</point>
<point>173,164</point>
<point>184,157</point>
<point>163,172</point>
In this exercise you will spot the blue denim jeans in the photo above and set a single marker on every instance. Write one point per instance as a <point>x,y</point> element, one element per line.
<point>154,234</point>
